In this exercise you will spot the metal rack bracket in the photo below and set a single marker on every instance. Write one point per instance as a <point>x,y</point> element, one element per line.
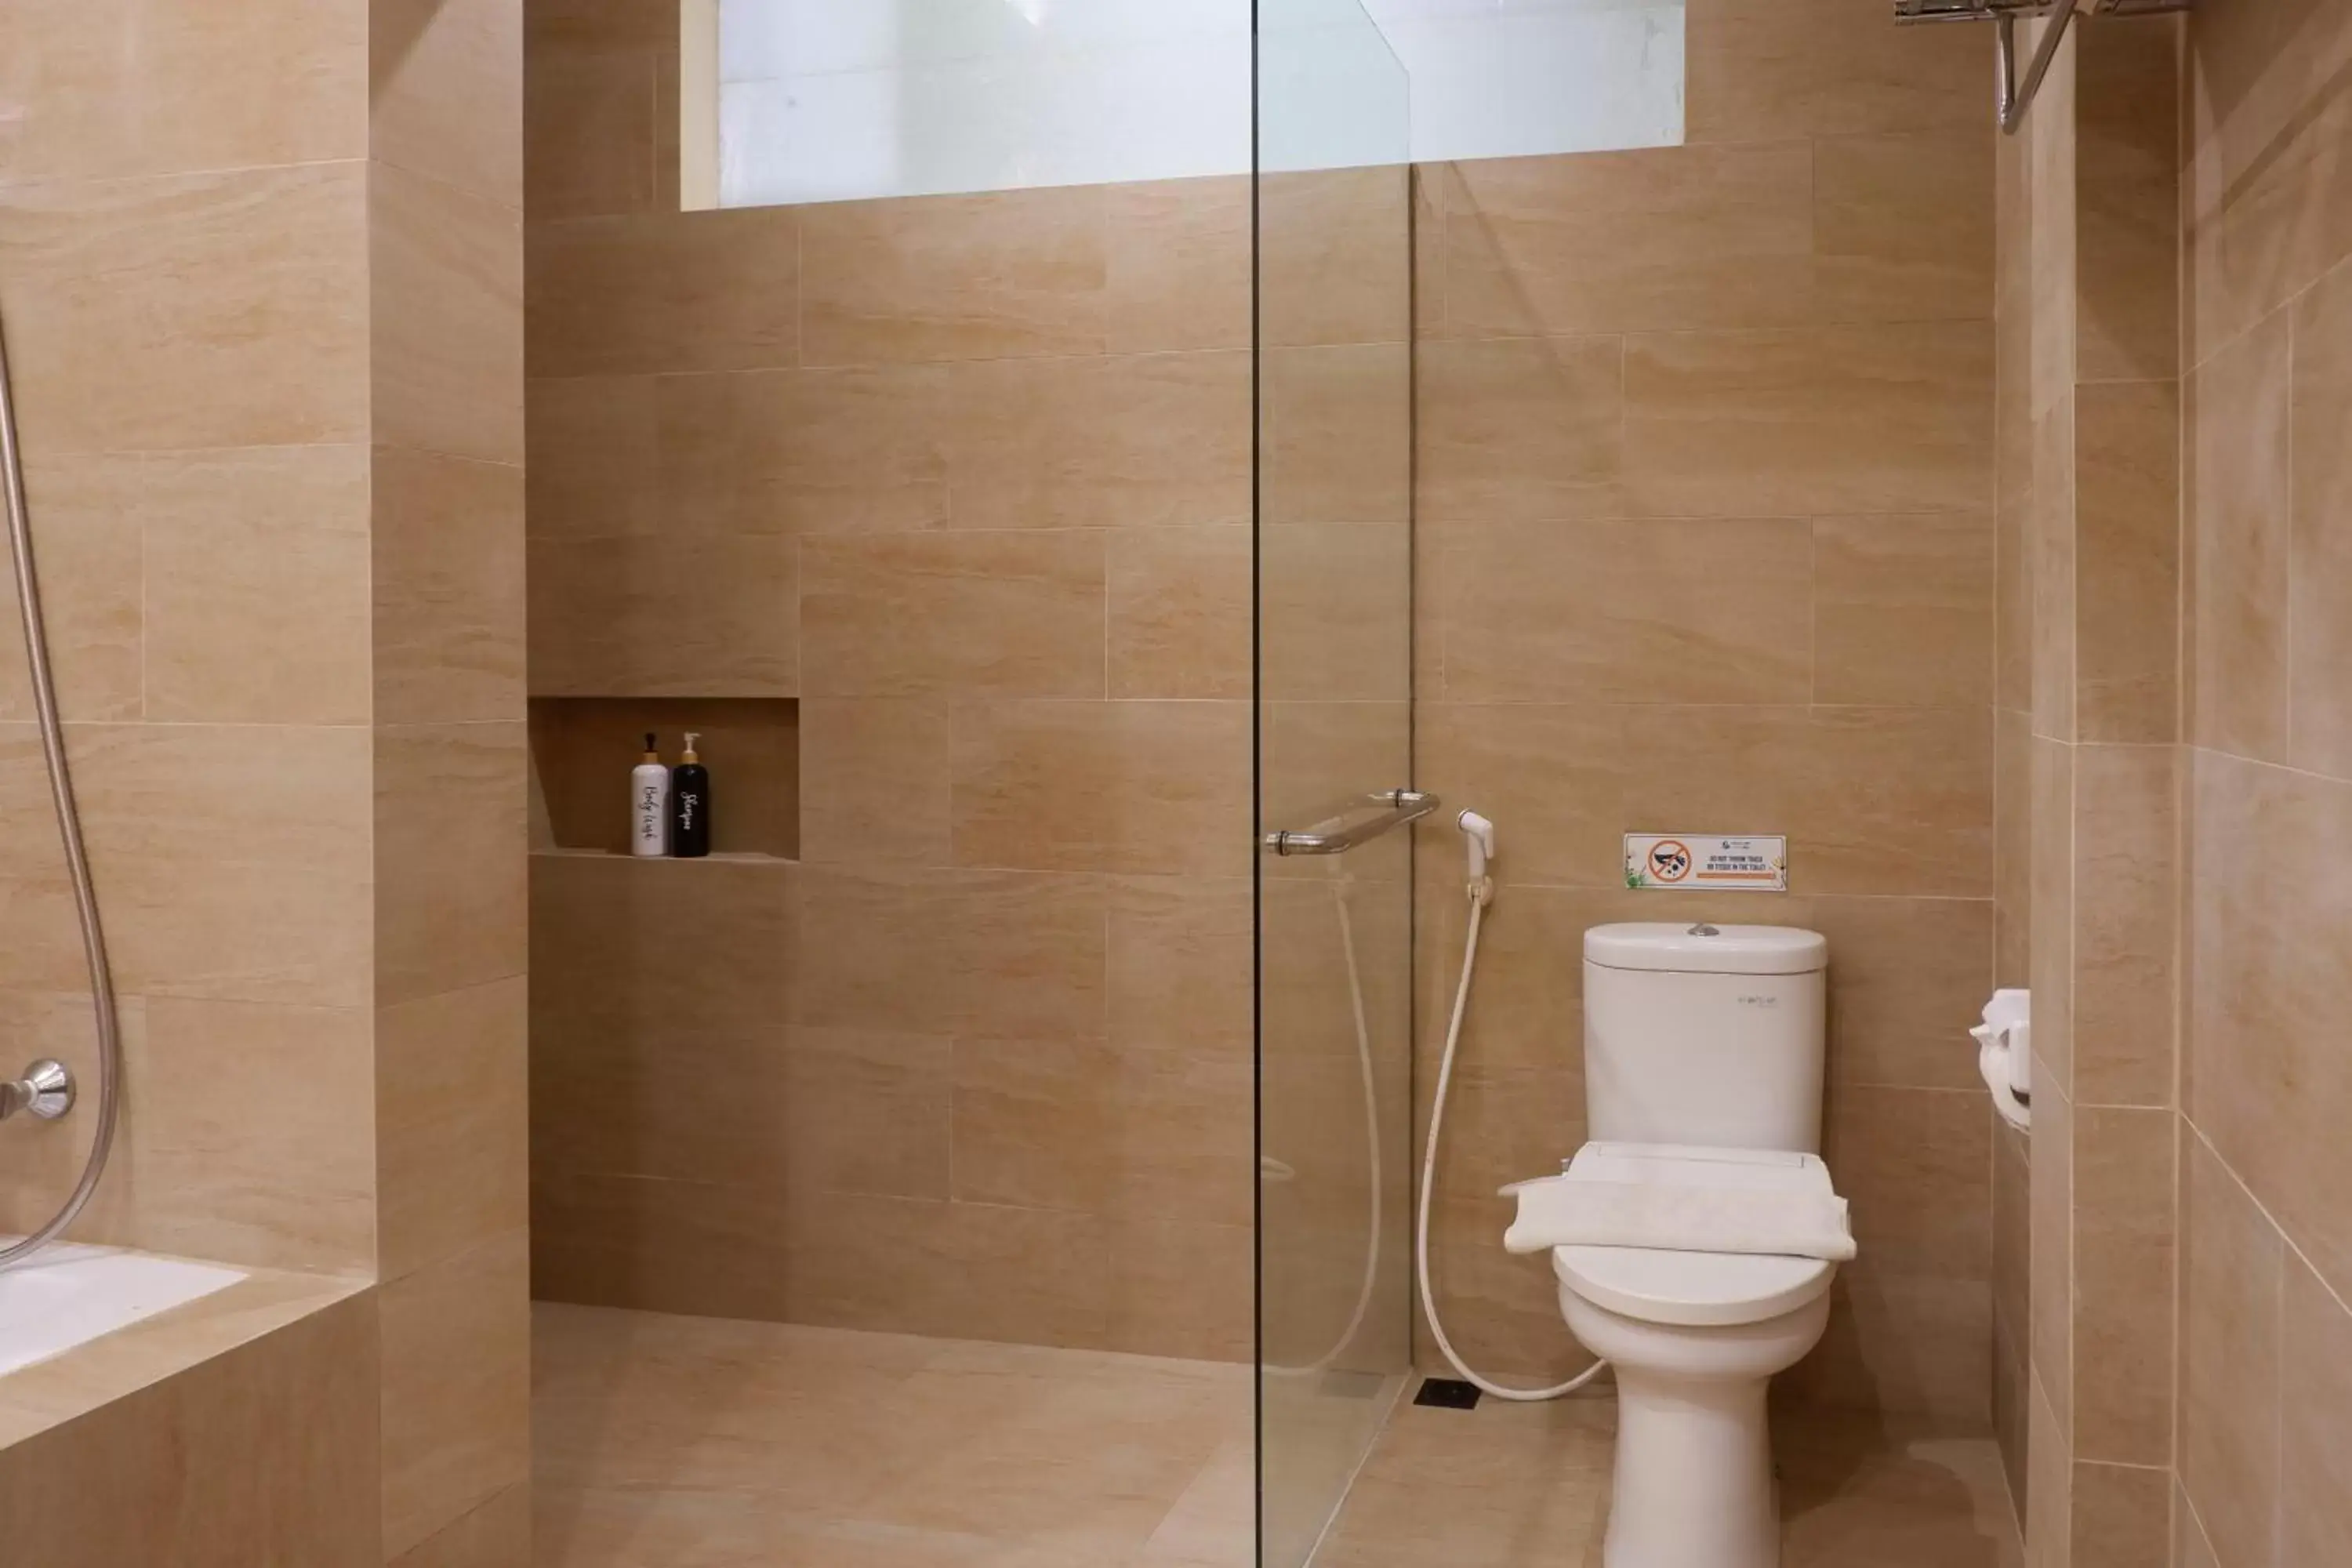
<point>2013,98</point>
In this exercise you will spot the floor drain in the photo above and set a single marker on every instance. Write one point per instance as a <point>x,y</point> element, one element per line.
<point>1447,1394</point>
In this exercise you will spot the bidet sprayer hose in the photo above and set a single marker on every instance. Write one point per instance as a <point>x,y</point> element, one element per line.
<point>1481,893</point>
<point>53,753</point>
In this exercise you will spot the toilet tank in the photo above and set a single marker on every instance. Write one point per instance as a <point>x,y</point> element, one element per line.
<point>1703,1034</point>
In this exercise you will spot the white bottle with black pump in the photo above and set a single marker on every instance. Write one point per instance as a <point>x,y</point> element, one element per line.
<point>649,803</point>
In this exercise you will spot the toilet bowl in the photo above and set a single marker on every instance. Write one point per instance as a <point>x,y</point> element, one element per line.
<point>1695,1339</point>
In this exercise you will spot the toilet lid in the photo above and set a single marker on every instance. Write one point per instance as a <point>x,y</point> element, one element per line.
<point>1695,1290</point>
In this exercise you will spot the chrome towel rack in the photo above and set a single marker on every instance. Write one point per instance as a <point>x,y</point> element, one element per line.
<point>2012,98</point>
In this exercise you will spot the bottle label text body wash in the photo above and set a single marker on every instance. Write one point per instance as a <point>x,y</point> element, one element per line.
<point>649,804</point>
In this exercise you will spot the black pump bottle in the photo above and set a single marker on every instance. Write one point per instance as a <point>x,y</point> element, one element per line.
<point>689,804</point>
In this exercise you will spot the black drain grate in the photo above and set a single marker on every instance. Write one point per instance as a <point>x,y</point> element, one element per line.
<point>1447,1394</point>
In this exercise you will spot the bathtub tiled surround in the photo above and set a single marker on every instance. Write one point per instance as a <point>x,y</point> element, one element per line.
<point>275,465</point>
<point>240,1428</point>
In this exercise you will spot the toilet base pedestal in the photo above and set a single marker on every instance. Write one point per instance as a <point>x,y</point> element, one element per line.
<point>1694,1483</point>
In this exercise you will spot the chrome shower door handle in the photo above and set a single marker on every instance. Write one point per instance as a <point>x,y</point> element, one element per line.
<point>1377,813</point>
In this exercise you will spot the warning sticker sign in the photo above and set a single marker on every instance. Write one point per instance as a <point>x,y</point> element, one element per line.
<point>1720,864</point>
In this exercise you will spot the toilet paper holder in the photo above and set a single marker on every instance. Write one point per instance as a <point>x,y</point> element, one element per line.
<point>2005,1054</point>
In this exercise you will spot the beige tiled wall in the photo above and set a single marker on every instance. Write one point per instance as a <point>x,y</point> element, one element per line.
<point>2089,863</point>
<point>2266,1270</point>
<point>968,479</point>
<point>1707,541</point>
<point>262,265</point>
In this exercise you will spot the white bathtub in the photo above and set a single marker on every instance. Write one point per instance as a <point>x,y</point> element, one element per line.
<point>68,1296</point>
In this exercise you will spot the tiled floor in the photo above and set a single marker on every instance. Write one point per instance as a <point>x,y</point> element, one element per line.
<point>1527,1485</point>
<point>668,1442</point>
<point>691,1442</point>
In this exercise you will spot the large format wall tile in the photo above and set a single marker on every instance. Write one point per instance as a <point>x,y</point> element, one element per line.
<point>447,554</point>
<point>1116,786</point>
<point>451,1145</point>
<point>2230,1365</point>
<point>1760,69</point>
<point>91,545</point>
<point>1086,442</point>
<point>2126,901</point>
<point>135,306</point>
<point>239,1143</point>
<point>446,95</point>
<point>1902,609</point>
<point>446,268</point>
<point>1519,429</point>
<point>1660,239</point>
<point>257,568</point>
<point>2122,1285</point>
<point>1179,606</point>
<point>1693,612</point>
<point>649,617</point>
<point>963,952</point>
<point>1845,419</point>
<point>983,277</point>
<point>2315,1358</point>
<point>589,131</point>
<point>2268,208</point>
<point>875,780</point>
<point>160,87</point>
<point>806,451</point>
<point>2240,525</point>
<point>457,1405</point>
<point>867,1112</point>
<point>1178,271</point>
<point>235,859</point>
<point>2126,564</point>
<point>450,815</point>
<point>2319,614</point>
<point>1334,255</point>
<point>2266,993</point>
<point>709,291</point>
<point>1004,614</point>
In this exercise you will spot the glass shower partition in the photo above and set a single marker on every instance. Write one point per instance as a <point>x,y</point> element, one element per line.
<point>1334,670</point>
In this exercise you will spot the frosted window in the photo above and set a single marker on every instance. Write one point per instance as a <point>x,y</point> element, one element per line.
<point>835,99</point>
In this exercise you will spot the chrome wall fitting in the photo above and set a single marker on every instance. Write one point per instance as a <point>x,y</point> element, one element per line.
<point>2011,100</point>
<point>47,1090</point>
<point>1376,815</point>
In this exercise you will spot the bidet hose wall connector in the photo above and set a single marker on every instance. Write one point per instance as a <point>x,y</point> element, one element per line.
<point>53,751</point>
<point>1482,892</point>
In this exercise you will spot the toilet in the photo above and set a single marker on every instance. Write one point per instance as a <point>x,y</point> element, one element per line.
<point>1703,1061</point>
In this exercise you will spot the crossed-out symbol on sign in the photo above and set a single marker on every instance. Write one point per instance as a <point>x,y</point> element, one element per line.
<point>1670,860</point>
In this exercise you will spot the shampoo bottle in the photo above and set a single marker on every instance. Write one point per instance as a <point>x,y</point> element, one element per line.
<point>689,804</point>
<point>649,803</point>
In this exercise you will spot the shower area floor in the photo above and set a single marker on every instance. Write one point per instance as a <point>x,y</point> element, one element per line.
<point>1527,1485</point>
<point>670,1442</point>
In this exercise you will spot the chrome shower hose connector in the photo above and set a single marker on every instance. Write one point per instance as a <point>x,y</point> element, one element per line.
<point>47,1091</point>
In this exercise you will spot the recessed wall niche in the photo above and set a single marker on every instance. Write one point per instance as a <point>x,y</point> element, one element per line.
<point>582,749</point>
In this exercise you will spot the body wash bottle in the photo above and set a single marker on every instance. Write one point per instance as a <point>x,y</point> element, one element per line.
<point>649,803</point>
<point>689,804</point>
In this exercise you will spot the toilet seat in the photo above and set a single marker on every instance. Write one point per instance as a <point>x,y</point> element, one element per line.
<point>1694,1289</point>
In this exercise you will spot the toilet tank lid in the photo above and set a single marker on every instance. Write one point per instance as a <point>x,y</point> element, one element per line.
<point>1698,947</point>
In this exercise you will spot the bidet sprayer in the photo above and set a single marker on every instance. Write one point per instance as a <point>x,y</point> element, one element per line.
<point>1477,842</point>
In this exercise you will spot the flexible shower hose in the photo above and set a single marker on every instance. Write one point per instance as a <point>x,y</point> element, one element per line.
<point>53,751</point>
<point>1481,893</point>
